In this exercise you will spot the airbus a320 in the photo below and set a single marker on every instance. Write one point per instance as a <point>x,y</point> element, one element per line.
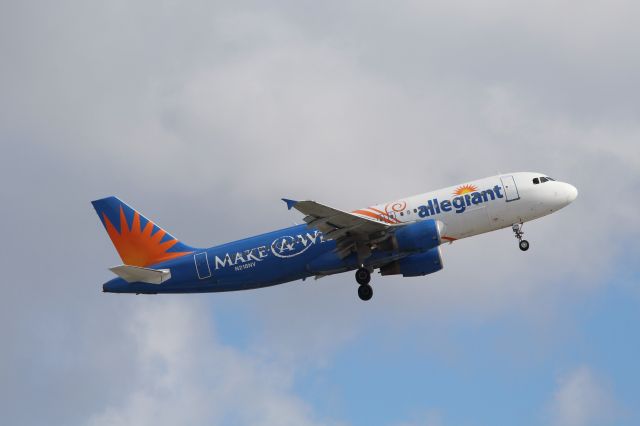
<point>402,237</point>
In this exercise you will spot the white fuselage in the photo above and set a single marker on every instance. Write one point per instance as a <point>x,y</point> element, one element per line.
<point>479,206</point>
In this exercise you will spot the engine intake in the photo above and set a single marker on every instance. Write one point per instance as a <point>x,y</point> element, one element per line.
<point>420,236</point>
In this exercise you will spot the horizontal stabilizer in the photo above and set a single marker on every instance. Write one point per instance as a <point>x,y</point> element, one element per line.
<point>132,274</point>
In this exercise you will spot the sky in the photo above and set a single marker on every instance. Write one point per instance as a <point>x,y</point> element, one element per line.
<point>203,114</point>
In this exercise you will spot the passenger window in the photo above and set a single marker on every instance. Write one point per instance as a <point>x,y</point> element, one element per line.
<point>401,213</point>
<point>415,210</point>
<point>536,181</point>
<point>543,179</point>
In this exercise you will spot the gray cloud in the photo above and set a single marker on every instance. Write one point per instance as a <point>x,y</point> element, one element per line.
<point>204,115</point>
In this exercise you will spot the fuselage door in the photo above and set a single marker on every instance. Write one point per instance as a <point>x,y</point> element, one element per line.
<point>510,188</point>
<point>202,265</point>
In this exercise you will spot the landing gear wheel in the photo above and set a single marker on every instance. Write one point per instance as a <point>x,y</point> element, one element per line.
<point>517,230</point>
<point>363,276</point>
<point>365,292</point>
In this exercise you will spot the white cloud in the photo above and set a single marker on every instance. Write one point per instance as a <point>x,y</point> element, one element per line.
<point>430,418</point>
<point>582,399</point>
<point>184,375</point>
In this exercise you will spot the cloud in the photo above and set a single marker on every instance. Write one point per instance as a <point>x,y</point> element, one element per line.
<point>430,418</point>
<point>582,399</point>
<point>204,114</point>
<point>184,375</point>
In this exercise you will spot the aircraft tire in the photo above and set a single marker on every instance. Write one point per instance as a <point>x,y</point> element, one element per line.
<point>524,245</point>
<point>363,276</point>
<point>365,292</point>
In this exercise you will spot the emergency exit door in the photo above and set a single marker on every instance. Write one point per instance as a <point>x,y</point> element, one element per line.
<point>510,188</point>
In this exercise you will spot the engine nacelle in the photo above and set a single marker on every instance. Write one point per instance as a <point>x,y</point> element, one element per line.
<point>415,265</point>
<point>419,236</point>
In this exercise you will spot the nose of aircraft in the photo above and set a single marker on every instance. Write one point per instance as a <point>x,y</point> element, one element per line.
<point>572,193</point>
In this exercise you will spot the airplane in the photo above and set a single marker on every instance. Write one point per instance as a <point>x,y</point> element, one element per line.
<point>402,237</point>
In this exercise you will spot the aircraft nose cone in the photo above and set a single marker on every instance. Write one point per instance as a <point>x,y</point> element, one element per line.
<point>572,193</point>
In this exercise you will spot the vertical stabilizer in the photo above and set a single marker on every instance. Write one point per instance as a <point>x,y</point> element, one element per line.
<point>139,241</point>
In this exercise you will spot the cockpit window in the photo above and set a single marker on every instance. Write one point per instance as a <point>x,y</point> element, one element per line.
<point>543,179</point>
<point>536,181</point>
<point>550,178</point>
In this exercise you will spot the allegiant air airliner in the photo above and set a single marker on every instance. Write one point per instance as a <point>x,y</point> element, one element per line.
<point>400,237</point>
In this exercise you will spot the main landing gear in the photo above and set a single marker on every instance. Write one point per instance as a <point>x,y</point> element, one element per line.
<point>517,229</point>
<point>363,277</point>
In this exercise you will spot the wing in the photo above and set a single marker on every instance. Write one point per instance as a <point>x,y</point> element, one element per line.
<point>352,233</point>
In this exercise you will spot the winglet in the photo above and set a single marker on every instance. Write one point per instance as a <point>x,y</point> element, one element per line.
<point>290,203</point>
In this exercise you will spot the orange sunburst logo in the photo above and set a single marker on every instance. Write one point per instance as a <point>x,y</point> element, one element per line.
<point>465,189</point>
<point>137,246</point>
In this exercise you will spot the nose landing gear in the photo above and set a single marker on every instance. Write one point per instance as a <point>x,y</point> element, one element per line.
<point>363,277</point>
<point>517,229</point>
<point>365,292</point>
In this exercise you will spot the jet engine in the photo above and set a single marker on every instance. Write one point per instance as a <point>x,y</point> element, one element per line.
<point>415,265</point>
<point>419,236</point>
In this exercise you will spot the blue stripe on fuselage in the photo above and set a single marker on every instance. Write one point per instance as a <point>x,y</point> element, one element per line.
<point>260,261</point>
